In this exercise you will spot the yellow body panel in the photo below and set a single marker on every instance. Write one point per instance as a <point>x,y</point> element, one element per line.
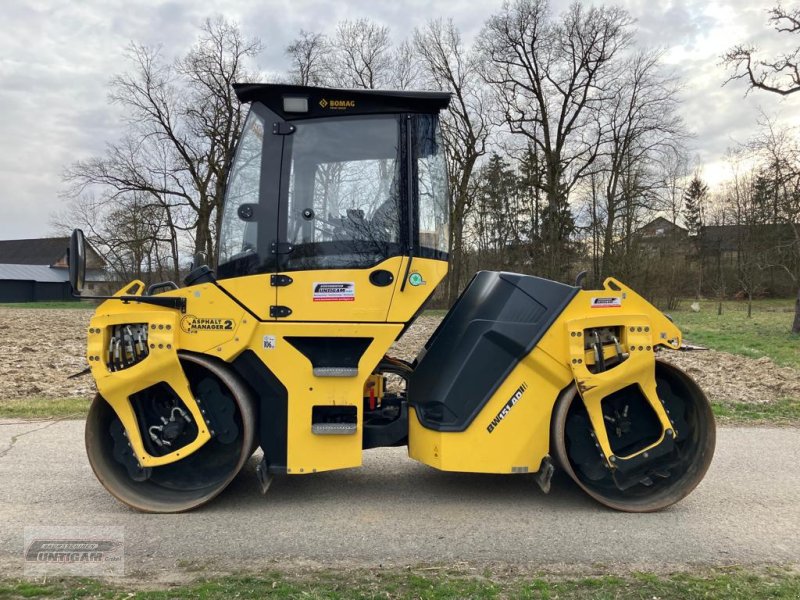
<point>370,303</point>
<point>216,325</point>
<point>520,441</point>
<point>364,302</point>
<point>307,452</point>
<point>515,445</point>
<point>253,291</point>
<point>428,274</point>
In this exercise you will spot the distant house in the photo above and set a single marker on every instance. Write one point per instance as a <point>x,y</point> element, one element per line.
<point>725,242</point>
<point>719,242</point>
<point>661,228</point>
<point>725,252</point>
<point>662,237</point>
<point>36,270</point>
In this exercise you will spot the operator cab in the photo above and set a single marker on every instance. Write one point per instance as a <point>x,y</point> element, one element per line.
<point>329,179</point>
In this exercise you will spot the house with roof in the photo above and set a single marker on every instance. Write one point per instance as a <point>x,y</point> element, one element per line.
<point>718,242</point>
<point>36,270</point>
<point>722,251</point>
<point>660,229</point>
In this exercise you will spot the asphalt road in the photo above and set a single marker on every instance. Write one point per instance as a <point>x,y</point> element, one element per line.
<point>394,511</point>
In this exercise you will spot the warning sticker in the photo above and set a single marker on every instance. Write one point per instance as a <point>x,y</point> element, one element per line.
<point>330,291</point>
<point>609,302</point>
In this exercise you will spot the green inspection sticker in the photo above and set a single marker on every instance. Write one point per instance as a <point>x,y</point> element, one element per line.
<point>416,279</point>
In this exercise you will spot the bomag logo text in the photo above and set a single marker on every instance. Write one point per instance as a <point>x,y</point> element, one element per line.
<point>337,104</point>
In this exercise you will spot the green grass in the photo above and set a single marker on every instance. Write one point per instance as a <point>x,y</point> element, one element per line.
<point>82,304</point>
<point>783,412</point>
<point>44,408</point>
<point>730,584</point>
<point>766,333</point>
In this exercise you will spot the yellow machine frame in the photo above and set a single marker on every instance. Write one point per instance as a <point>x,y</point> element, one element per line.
<point>216,325</point>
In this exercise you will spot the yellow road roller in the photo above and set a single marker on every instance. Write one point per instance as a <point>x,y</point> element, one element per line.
<point>333,237</point>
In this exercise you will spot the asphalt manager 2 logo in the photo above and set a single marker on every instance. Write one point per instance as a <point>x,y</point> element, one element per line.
<point>507,408</point>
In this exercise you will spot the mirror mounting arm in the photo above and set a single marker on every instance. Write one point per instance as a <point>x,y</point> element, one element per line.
<point>168,302</point>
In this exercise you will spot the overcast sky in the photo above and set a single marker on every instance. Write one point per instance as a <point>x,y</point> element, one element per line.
<point>57,56</point>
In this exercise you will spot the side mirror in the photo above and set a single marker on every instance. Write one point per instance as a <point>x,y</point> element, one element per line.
<point>77,261</point>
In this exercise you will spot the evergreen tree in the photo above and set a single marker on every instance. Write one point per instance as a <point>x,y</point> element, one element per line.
<point>693,205</point>
<point>531,182</point>
<point>499,220</point>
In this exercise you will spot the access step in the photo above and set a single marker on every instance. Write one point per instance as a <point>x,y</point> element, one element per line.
<point>335,371</point>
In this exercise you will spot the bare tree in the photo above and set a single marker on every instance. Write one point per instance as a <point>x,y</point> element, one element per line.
<point>406,69</point>
<point>752,245</point>
<point>779,152</point>
<point>552,77</point>
<point>644,132</point>
<point>780,75</point>
<point>183,125</point>
<point>307,54</point>
<point>361,55</point>
<point>449,65</point>
<point>131,233</point>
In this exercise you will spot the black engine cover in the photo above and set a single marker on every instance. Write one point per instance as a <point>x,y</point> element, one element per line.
<point>498,319</point>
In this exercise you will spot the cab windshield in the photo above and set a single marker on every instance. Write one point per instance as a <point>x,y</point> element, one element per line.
<point>351,197</point>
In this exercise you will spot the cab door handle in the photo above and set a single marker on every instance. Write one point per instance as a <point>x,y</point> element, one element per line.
<point>381,278</point>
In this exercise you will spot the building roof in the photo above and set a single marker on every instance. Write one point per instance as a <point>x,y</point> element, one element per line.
<point>658,227</point>
<point>719,238</point>
<point>729,238</point>
<point>49,252</point>
<point>42,251</point>
<point>40,273</point>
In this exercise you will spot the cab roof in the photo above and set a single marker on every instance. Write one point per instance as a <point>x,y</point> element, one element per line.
<point>333,102</point>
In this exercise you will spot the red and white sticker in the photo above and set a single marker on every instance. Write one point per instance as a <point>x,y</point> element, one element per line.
<point>607,302</point>
<point>334,291</point>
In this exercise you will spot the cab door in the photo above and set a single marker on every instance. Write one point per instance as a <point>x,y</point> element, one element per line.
<point>342,222</point>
